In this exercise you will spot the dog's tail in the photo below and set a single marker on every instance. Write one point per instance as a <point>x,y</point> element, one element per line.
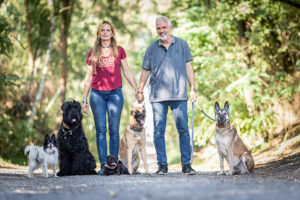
<point>27,150</point>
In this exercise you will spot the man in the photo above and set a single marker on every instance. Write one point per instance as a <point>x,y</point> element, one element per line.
<point>169,62</point>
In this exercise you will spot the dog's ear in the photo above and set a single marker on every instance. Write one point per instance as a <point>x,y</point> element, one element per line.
<point>47,137</point>
<point>53,136</point>
<point>64,106</point>
<point>226,106</point>
<point>217,107</point>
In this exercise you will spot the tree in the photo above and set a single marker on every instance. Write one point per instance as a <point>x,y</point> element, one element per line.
<point>45,67</point>
<point>66,14</point>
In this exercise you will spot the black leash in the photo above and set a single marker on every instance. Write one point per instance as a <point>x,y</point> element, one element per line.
<point>204,113</point>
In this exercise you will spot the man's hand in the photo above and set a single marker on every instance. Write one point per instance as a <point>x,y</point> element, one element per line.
<point>85,108</point>
<point>193,95</point>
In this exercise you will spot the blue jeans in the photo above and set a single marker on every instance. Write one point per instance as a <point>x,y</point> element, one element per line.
<point>111,102</point>
<point>179,110</point>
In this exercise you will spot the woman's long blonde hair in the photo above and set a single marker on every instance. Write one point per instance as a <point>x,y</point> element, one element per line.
<point>97,50</point>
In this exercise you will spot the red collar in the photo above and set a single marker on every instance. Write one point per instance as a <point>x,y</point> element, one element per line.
<point>223,126</point>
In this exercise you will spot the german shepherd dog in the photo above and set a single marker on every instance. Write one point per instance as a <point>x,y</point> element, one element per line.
<point>133,143</point>
<point>229,144</point>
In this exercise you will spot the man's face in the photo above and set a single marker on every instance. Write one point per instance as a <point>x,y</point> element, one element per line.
<point>163,29</point>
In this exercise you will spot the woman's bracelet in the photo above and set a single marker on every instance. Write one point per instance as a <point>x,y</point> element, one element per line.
<point>84,101</point>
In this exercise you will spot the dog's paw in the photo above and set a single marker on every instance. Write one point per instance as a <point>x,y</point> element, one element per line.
<point>228,173</point>
<point>221,173</point>
<point>243,172</point>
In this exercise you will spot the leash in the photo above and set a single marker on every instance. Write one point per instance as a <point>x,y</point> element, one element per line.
<point>204,112</point>
<point>192,152</point>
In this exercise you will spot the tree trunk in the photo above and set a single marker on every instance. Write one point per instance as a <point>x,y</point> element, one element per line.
<point>45,67</point>
<point>66,12</point>
<point>28,27</point>
<point>30,54</point>
<point>243,41</point>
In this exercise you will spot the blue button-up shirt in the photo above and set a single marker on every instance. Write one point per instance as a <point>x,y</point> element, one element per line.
<point>168,80</point>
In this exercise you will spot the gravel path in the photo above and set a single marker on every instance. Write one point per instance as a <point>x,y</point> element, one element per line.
<point>278,179</point>
<point>174,185</point>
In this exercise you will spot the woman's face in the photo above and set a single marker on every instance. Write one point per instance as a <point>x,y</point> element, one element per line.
<point>106,32</point>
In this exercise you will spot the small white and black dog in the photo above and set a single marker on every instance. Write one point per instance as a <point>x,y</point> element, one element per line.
<point>42,156</point>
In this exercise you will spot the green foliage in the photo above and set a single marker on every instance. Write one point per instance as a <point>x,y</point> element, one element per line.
<point>15,135</point>
<point>250,69</point>
<point>6,45</point>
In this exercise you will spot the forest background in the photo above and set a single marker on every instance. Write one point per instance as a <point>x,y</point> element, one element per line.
<point>244,51</point>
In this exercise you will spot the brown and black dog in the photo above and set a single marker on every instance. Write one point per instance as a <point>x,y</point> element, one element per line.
<point>133,143</point>
<point>230,146</point>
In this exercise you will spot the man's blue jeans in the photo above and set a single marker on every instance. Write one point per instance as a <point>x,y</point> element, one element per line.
<point>111,102</point>
<point>179,110</point>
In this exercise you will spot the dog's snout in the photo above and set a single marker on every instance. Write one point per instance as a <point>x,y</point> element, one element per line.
<point>221,118</point>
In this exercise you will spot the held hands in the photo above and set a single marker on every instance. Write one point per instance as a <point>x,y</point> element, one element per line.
<point>139,96</point>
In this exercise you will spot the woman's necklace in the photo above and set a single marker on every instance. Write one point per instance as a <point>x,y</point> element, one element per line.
<point>105,47</point>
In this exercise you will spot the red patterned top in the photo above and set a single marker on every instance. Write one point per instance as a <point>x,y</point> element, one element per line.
<point>108,76</point>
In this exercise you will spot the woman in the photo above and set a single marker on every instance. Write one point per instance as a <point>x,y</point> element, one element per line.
<point>104,63</point>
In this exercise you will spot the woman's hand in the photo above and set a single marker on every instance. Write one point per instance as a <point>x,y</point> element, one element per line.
<point>85,108</point>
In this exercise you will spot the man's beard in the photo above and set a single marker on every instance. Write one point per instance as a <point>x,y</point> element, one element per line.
<point>164,37</point>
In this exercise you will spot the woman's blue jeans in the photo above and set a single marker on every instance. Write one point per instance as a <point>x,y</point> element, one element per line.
<point>179,110</point>
<point>110,102</point>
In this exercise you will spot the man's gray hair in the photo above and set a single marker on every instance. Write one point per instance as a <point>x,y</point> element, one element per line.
<point>162,18</point>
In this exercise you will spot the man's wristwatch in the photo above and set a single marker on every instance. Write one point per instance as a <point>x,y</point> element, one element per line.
<point>84,101</point>
<point>139,92</point>
<point>194,90</point>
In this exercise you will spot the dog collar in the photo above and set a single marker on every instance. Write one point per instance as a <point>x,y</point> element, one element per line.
<point>113,166</point>
<point>66,125</point>
<point>68,131</point>
<point>223,126</point>
<point>136,129</point>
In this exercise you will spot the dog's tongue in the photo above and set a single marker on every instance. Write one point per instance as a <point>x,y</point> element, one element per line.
<point>74,120</point>
<point>142,122</point>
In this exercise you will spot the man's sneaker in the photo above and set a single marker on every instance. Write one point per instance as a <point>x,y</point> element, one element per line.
<point>102,169</point>
<point>187,169</point>
<point>162,169</point>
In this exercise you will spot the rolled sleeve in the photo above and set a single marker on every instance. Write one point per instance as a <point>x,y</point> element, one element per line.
<point>122,52</point>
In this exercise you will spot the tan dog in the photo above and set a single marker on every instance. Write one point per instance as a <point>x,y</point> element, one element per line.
<point>230,146</point>
<point>133,143</point>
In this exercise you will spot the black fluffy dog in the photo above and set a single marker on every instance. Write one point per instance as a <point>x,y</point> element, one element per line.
<point>74,155</point>
<point>114,166</point>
